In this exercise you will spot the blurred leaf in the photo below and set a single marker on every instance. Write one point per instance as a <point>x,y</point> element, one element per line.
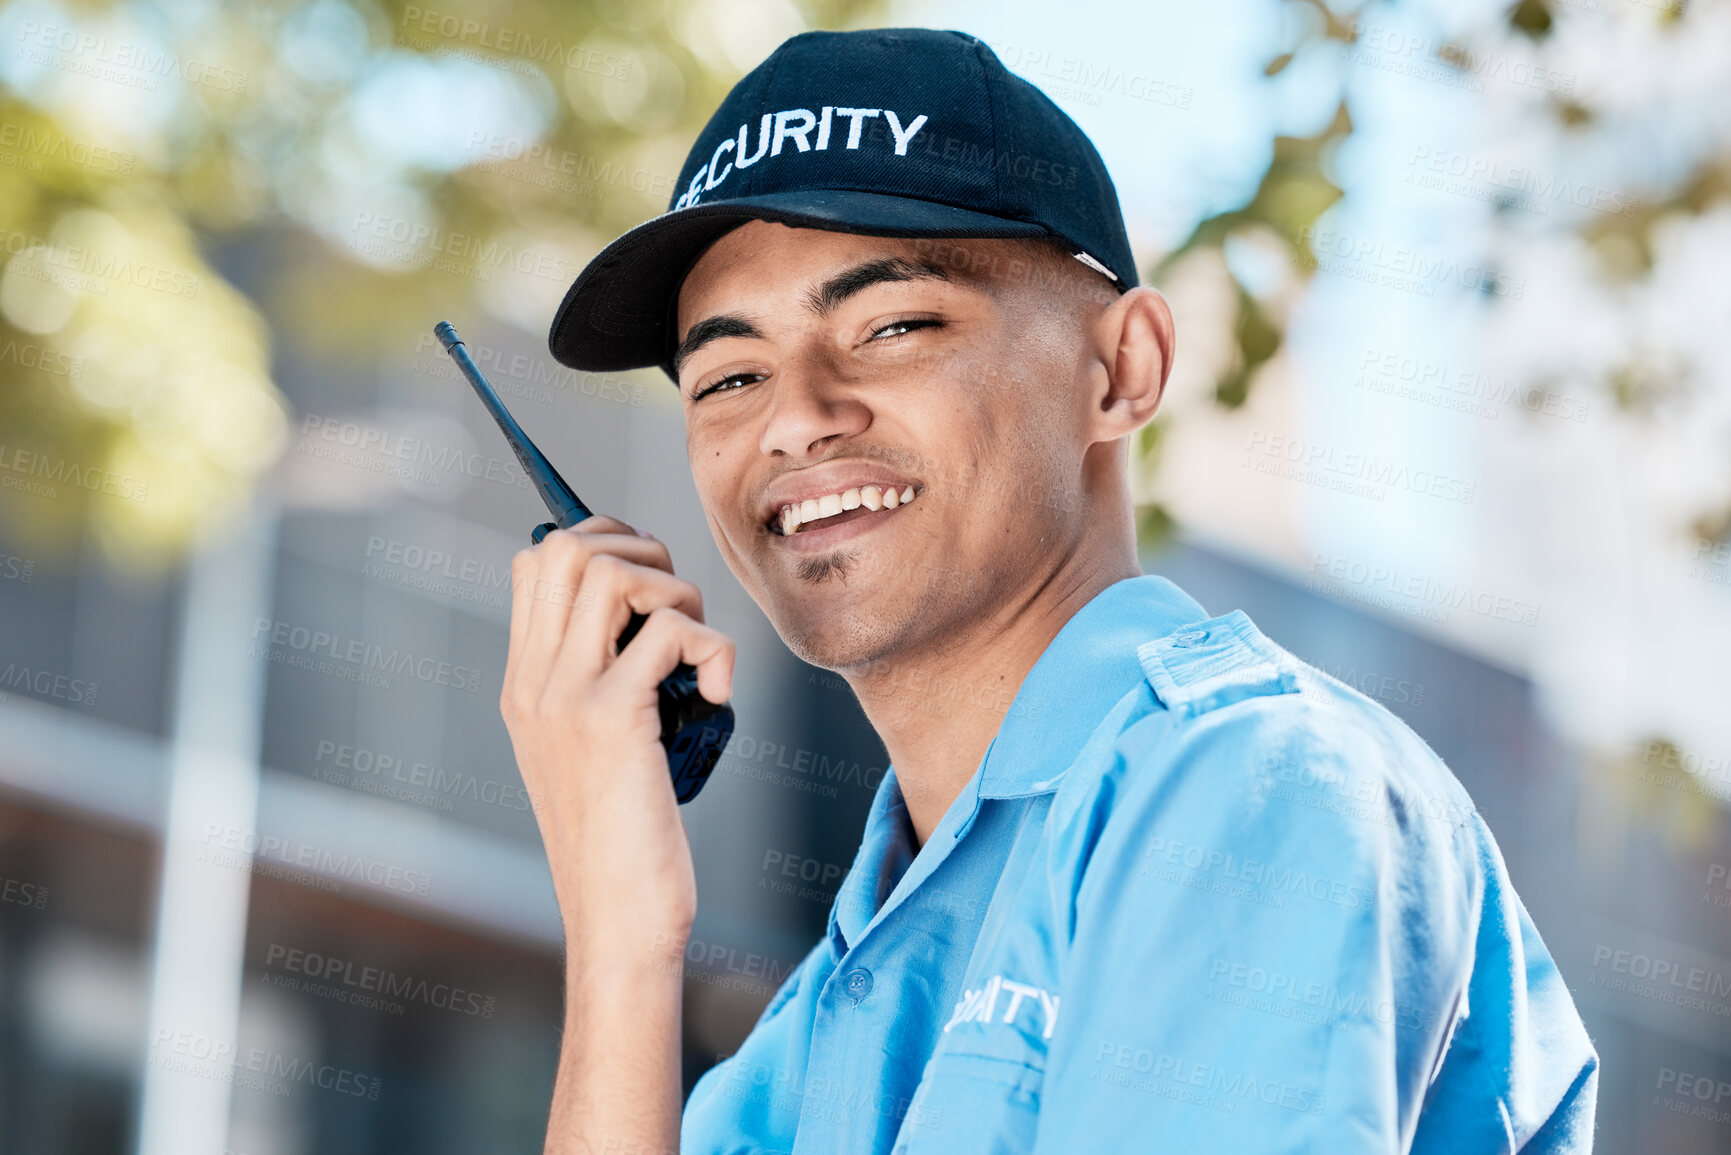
<point>1623,241</point>
<point>1532,17</point>
<point>1258,338</point>
<point>1154,526</point>
<point>1456,55</point>
<point>1643,383</point>
<point>139,404</point>
<point>1148,439</point>
<point>1332,26</point>
<point>1291,196</point>
<point>1571,113</point>
<point>1654,788</point>
<point>1714,527</point>
<point>340,152</point>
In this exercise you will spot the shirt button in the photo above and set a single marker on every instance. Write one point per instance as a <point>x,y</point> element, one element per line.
<point>1189,638</point>
<point>858,983</point>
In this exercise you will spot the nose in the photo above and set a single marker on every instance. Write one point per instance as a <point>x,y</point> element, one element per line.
<point>810,406</point>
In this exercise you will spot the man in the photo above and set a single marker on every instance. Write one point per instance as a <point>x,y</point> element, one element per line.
<point>1147,882</point>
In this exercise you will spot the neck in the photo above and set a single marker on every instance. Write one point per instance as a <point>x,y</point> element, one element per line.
<point>938,709</point>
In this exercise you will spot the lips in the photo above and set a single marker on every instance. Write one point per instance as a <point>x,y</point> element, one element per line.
<point>830,533</point>
<point>841,518</point>
<point>809,497</point>
<point>795,516</point>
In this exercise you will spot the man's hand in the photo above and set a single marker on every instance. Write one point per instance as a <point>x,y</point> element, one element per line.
<point>586,729</point>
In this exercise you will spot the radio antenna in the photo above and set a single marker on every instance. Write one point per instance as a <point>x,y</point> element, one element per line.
<point>562,501</point>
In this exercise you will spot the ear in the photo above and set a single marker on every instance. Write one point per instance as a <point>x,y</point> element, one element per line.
<point>1135,338</point>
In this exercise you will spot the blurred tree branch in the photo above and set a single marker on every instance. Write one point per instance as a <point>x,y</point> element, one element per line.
<point>396,162</point>
<point>1294,191</point>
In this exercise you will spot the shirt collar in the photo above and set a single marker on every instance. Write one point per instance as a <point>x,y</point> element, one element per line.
<point>885,852</point>
<point>1086,669</point>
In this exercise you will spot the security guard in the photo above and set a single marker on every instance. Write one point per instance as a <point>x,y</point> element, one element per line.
<point>1138,879</point>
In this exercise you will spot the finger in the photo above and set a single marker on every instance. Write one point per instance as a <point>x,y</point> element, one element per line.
<point>612,590</point>
<point>544,603</point>
<point>562,558</point>
<point>601,523</point>
<point>524,563</point>
<point>616,537</point>
<point>668,638</point>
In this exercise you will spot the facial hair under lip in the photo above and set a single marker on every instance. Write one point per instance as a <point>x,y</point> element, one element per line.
<point>819,569</point>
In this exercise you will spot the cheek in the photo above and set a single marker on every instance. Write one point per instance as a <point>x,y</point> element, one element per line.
<point>992,432</point>
<point>718,472</point>
<point>716,483</point>
<point>1021,462</point>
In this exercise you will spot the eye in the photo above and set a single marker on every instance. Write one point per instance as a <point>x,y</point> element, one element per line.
<point>716,385</point>
<point>904,326</point>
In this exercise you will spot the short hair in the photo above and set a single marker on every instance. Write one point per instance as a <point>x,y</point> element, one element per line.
<point>1040,262</point>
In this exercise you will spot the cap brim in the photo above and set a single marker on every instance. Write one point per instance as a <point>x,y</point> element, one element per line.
<point>619,313</point>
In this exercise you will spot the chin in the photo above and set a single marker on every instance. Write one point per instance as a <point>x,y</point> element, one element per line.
<point>838,642</point>
<point>832,612</point>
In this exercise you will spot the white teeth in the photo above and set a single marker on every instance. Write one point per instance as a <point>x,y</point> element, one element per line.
<point>793,516</point>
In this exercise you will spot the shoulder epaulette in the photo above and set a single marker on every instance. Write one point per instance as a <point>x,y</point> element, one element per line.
<point>1206,665</point>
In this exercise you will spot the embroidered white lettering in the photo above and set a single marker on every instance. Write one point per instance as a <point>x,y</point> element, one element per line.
<point>775,129</point>
<point>784,131</point>
<point>1018,992</point>
<point>692,191</point>
<point>717,175</point>
<point>902,138</point>
<point>1049,1004</point>
<point>740,160</point>
<point>858,117</point>
<point>993,985</point>
<point>978,1006</point>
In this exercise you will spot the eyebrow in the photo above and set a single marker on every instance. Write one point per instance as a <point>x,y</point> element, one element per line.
<point>845,284</point>
<point>821,301</point>
<point>711,329</point>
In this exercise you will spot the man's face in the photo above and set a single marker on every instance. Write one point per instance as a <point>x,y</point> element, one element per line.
<point>814,363</point>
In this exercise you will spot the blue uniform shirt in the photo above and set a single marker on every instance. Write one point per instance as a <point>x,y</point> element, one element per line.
<point>1198,896</point>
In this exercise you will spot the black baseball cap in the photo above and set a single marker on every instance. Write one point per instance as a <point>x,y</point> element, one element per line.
<point>898,132</point>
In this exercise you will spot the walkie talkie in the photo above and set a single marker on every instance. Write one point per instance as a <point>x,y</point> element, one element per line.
<point>693,729</point>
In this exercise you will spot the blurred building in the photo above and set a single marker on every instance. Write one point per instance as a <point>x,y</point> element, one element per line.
<point>389,840</point>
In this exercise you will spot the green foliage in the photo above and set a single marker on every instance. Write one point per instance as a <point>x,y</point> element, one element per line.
<point>1713,526</point>
<point>1624,241</point>
<point>1155,526</point>
<point>1651,787</point>
<point>159,373</point>
<point>1258,339</point>
<point>1532,17</point>
<point>1294,192</point>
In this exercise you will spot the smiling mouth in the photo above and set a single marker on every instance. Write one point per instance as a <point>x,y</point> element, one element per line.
<point>838,508</point>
